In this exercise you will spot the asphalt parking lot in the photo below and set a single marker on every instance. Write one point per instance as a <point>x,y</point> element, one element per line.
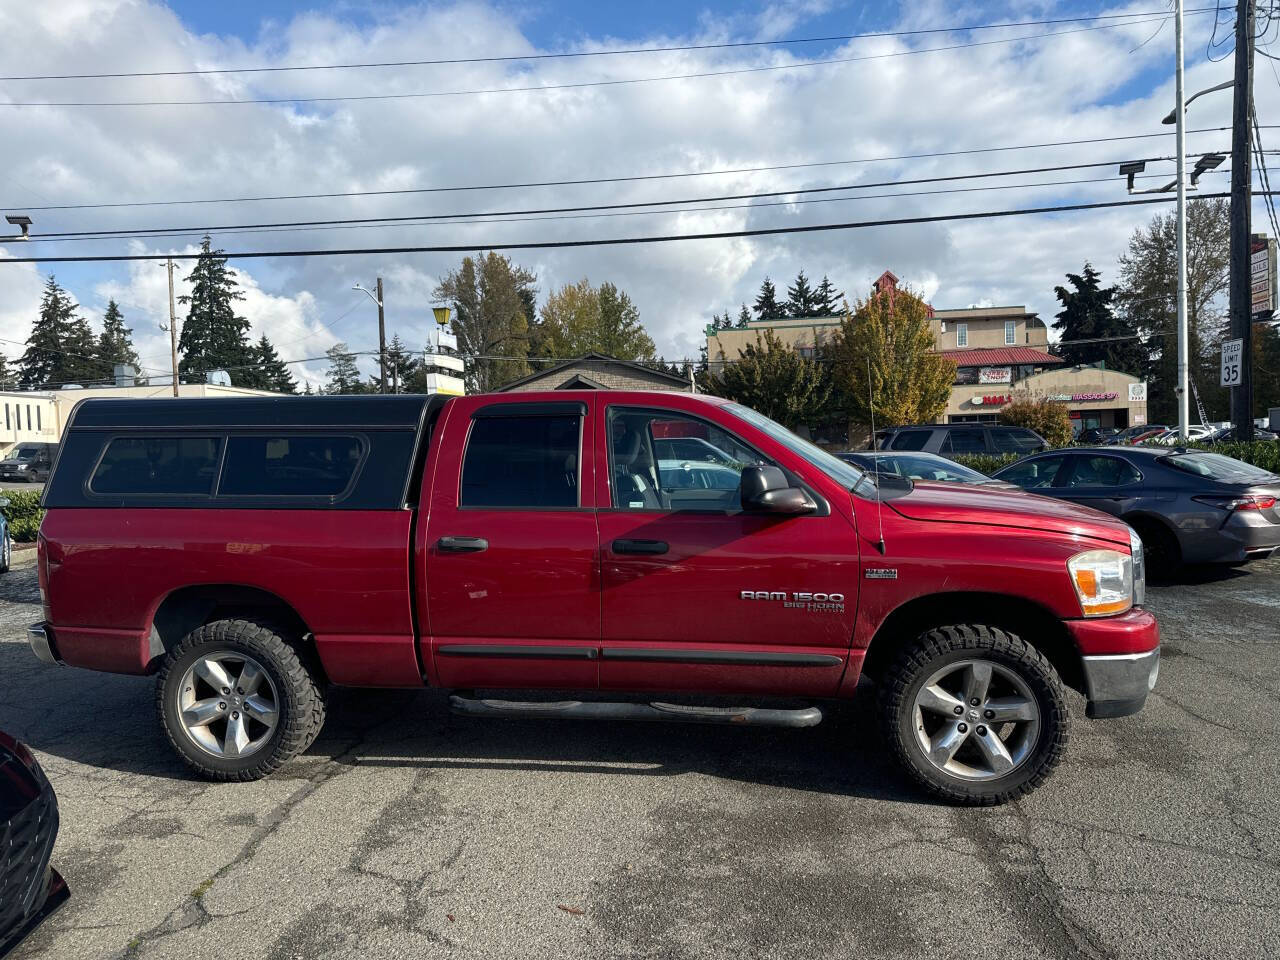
<point>407,832</point>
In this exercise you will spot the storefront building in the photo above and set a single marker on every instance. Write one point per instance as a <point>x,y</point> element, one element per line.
<point>1094,397</point>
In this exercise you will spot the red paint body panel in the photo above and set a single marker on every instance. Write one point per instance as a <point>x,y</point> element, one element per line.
<point>549,580</point>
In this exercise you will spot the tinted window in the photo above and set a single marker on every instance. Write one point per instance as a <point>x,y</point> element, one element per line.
<point>644,477</point>
<point>299,466</point>
<point>157,465</point>
<point>521,462</point>
<point>1102,472</point>
<point>910,440</point>
<point>1016,441</point>
<point>965,441</point>
<point>1215,466</point>
<point>925,467</point>
<point>1032,474</point>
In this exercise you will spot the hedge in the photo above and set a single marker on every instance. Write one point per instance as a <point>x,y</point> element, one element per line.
<point>23,513</point>
<point>1261,453</point>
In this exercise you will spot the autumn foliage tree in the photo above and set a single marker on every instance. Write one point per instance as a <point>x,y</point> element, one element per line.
<point>890,338</point>
<point>1046,417</point>
<point>773,379</point>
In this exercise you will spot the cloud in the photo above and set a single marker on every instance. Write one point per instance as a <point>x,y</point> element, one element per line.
<point>1086,84</point>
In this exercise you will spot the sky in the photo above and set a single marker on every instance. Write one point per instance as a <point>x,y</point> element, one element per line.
<point>892,97</point>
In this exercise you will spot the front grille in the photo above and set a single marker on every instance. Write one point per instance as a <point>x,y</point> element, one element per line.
<point>25,846</point>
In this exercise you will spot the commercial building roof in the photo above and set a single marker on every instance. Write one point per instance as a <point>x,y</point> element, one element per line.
<point>1001,357</point>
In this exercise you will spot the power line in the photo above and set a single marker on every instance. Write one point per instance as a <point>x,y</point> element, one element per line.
<point>616,241</point>
<point>145,231</point>
<point>430,221</point>
<point>577,85</point>
<point>624,179</point>
<point>518,58</point>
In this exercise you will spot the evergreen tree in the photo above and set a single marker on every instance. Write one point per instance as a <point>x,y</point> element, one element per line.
<point>214,337</point>
<point>772,378</point>
<point>404,370</point>
<point>826,299</point>
<point>8,379</point>
<point>1087,315</point>
<point>766,305</point>
<point>115,345</point>
<point>307,391</point>
<point>61,348</point>
<point>744,318</point>
<point>800,298</point>
<point>344,374</point>
<point>270,372</point>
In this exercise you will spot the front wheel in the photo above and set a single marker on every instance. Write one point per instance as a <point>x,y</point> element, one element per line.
<point>237,700</point>
<point>975,714</point>
<point>6,553</point>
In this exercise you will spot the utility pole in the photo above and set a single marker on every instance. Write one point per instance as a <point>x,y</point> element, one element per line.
<point>1180,108</point>
<point>382,332</point>
<point>172,329</point>
<point>1241,199</point>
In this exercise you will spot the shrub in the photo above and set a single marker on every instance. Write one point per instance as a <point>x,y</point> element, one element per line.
<point>986,462</point>
<point>1046,417</point>
<point>1261,453</point>
<point>22,503</point>
<point>25,529</point>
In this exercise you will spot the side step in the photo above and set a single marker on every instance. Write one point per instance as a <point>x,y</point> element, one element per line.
<point>591,710</point>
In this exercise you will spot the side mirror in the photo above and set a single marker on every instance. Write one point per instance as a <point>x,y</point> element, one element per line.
<point>4,502</point>
<point>767,490</point>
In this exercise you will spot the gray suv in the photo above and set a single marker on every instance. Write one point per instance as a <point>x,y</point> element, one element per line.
<point>956,439</point>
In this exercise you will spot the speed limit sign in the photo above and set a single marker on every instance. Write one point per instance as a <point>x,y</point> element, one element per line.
<point>1232,354</point>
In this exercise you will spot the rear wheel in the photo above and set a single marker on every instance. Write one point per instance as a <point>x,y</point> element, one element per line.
<point>6,552</point>
<point>238,701</point>
<point>975,714</point>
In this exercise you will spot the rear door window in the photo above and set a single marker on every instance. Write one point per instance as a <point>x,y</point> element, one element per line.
<point>142,466</point>
<point>965,441</point>
<point>522,462</point>
<point>290,466</point>
<point>911,440</point>
<point>1102,472</point>
<point>1016,441</point>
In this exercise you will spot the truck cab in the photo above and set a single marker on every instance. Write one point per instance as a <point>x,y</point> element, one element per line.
<point>253,553</point>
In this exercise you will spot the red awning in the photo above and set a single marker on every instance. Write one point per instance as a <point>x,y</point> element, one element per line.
<point>1001,357</point>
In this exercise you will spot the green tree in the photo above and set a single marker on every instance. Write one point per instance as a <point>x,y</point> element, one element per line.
<point>343,374</point>
<point>579,319</point>
<point>766,305</point>
<point>801,301</point>
<point>1087,314</point>
<point>772,378</point>
<point>1048,418</point>
<point>8,378</point>
<point>744,318</point>
<point>892,338</point>
<point>214,336</point>
<point>1266,368</point>
<point>1147,298</point>
<point>61,348</point>
<point>270,372</point>
<point>115,344</point>
<point>491,298</point>
<point>403,368</point>
<point>826,299</point>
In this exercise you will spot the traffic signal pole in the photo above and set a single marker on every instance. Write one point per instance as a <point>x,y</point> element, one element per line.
<point>1241,201</point>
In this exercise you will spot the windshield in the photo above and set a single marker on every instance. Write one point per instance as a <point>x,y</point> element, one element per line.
<point>845,474</point>
<point>24,453</point>
<point>1215,466</point>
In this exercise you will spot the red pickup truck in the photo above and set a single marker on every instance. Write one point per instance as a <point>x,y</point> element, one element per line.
<point>661,555</point>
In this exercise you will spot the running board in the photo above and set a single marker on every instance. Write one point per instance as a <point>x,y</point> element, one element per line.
<point>591,710</point>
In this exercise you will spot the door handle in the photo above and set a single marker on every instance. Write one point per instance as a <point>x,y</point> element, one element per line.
<point>462,544</point>
<point>640,546</point>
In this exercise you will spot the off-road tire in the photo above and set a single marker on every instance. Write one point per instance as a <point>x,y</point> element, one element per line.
<point>933,650</point>
<point>299,685</point>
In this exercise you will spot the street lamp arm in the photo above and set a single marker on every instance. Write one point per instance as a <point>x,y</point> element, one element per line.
<point>1173,114</point>
<point>369,292</point>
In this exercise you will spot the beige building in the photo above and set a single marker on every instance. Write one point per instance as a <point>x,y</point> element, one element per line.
<point>41,415</point>
<point>596,371</point>
<point>999,352</point>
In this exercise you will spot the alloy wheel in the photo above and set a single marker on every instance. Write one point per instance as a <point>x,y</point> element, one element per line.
<point>228,705</point>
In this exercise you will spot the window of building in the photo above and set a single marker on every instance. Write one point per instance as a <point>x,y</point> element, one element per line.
<point>806,352</point>
<point>7,425</point>
<point>529,462</point>
<point>28,416</point>
<point>38,426</point>
<point>141,466</point>
<point>1010,333</point>
<point>962,334</point>
<point>297,466</point>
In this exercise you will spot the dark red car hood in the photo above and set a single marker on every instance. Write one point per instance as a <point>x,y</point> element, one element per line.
<point>966,503</point>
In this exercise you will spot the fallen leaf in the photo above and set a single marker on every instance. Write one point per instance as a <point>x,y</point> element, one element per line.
<point>574,910</point>
<point>449,917</point>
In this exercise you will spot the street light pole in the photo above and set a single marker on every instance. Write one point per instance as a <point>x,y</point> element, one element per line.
<point>1184,414</point>
<point>1241,198</point>
<point>382,335</point>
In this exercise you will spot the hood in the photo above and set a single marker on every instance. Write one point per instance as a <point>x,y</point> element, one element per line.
<point>993,506</point>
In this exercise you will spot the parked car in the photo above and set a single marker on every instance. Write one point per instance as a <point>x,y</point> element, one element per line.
<point>28,462</point>
<point>1129,434</point>
<point>1228,435</point>
<point>6,539</point>
<point>952,439</point>
<point>30,889</point>
<point>919,466</point>
<point>1188,506</point>
<point>1096,435</point>
<point>1171,437</point>
<point>252,553</point>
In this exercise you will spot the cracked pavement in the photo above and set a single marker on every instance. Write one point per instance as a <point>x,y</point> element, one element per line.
<point>408,832</point>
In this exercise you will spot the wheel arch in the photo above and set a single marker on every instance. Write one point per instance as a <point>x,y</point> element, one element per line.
<point>186,608</point>
<point>1034,623</point>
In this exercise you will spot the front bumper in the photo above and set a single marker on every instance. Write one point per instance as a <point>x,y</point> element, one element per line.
<point>56,894</point>
<point>40,637</point>
<point>1117,685</point>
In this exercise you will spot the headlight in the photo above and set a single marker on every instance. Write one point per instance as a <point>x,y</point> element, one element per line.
<point>23,466</point>
<point>1103,580</point>
<point>1139,568</point>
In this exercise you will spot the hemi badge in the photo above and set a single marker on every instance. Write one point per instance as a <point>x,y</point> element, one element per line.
<point>882,573</point>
